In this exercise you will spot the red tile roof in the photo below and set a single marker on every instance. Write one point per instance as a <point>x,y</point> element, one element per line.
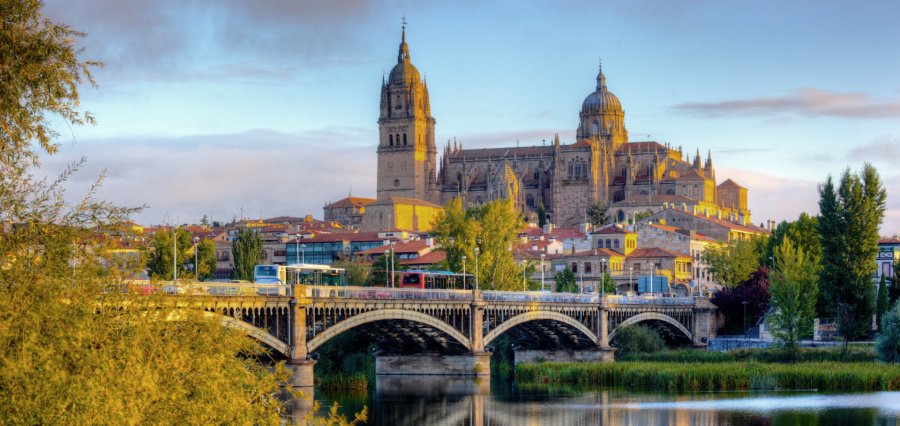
<point>601,252</point>
<point>429,258</point>
<point>564,233</point>
<point>350,202</point>
<point>342,236</point>
<point>610,229</point>
<point>889,240</point>
<point>415,246</point>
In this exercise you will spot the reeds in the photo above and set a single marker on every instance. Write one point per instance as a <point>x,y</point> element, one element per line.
<point>717,376</point>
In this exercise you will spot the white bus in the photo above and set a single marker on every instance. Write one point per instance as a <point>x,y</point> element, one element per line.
<point>303,273</point>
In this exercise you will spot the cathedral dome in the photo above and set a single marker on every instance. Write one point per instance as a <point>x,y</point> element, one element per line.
<point>601,100</point>
<point>404,73</point>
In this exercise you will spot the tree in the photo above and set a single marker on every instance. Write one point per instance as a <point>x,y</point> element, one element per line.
<point>381,269</point>
<point>881,302</point>
<point>794,287</point>
<point>888,345</point>
<point>597,213</point>
<point>247,253</point>
<point>97,363</point>
<point>206,259</point>
<point>637,339</point>
<point>733,263</point>
<point>160,262</point>
<point>542,215</point>
<point>804,232</point>
<point>754,291</point>
<point>565,281</point>
<point>608,284</point>
<point>357,270</point>
<point>205,220</point>
<point>492,228</point>
<point>848,224</point>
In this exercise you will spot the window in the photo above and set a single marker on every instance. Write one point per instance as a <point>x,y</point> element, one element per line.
<point>587,267</point>
<point>615,243</point>
<point>396,183</point>
<point>280,253</point>
<point>391,140</point>
<point>596,127</point>
<point>575,267</point>
<point>404,139</point>
<point>608,243</point>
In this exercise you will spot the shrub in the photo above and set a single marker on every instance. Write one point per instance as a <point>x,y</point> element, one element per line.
<point>638,339</point>
<point>889,338</point>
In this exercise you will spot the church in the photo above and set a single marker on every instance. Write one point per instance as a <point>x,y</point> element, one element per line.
<point>602,165</point>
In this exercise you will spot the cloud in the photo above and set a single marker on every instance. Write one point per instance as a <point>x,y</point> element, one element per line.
<point>170,39</point>
<point>261,172</point>
<point>802,102</point>
<point>885,148</point>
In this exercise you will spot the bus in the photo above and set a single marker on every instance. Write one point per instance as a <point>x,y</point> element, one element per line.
<point>443,280</point>
<point>302,273</point>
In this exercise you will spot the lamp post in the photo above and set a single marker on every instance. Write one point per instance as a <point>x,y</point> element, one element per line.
<point>386,254</point>
<point>542,271</point>
<point>745,317</point>
<point>464,270</point>
<point>524,265</point>
<point>196,267</point>
<point>630,278</point>
<point>603,276</point>
<point>303,253</point>
<point>476,268</point>
<point>174,253</point>
<point>652,268</point>
<point>392,264</point>
<point>297,254</point>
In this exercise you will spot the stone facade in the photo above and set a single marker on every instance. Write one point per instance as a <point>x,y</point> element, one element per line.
<point>602,165</point>
<point>348,211</point>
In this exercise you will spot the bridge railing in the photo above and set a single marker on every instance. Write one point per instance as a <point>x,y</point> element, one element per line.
<point>648,300</point>
<point>381,293</point>
<point>539,296</point>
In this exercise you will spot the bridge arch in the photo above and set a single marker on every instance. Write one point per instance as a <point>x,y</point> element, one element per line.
<point>538,316</point>
<point>254,332</point>
<point>382,315</point>
<point>652,316</point>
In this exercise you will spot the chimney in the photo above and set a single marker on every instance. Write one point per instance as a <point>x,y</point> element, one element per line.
<point>533,247</point>
<point>429,242</point>
<point>548,228</point>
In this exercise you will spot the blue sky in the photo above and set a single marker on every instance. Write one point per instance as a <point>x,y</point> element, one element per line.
<point>270,107</point>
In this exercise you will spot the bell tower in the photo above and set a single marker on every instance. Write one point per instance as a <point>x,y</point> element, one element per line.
<point>406,151</point>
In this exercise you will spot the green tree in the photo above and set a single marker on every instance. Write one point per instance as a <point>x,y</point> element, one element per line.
<point>160,263</point>
<point>804,232</point>
<point>888,345</point>
<point>381,270</point>
<point>598,213</point>
<point>456,232</point>
<point>247,253</point>
<point>565,281</point>
<point>357,270</point>
<point>608,284</point>
<point>848,224</point>
<point>734,263</point>
<point>794,286</point>
<point>542,215</point>
<point>206,260</point>
<point>637,339</point>
<point>882,302</point>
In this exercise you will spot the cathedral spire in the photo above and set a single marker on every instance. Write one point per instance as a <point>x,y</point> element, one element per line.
<point>697,159</point>
<point>403,55</point>
<point>601,79</point>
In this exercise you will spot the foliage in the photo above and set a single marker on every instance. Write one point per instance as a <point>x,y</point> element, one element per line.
<point>381,270</point>
<point>804,232</point>
<point>160,262</point>
<point>730,301</point>
<point>492,228</point>
<point>542,215</point>
<point>882,303</point>
<point>565,281</point>
<point>598,213</point>
<point>779,355</point>
<point>334,417</point>
<point>889,338</point>
<point>637,339</point>
<point>206,260</point>
<point>357,270</point>
<point>794,287</point>
<point>247,253</point>
<point>848,224</point>
<point>715,376</point>
<point>608,285</point>
<point>734,263</point>
<point>639,216</point>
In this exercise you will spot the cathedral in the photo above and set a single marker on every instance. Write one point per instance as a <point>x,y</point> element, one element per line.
<point>563,180</point>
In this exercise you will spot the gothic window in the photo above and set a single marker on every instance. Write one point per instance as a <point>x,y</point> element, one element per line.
<point>537,174</point>
<point>621,216</point>
<point>404,139</point>
<point>398,103</point>
<point>624,171</point>
<point>596,127</point>
<point>615,243</point>
<point>529,200</point>
<point>392,139</point>
<point>397,138</point>
<point>396,183</point>
<point>608,243</point>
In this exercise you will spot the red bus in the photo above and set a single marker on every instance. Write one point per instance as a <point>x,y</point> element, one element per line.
<point>443,280</point>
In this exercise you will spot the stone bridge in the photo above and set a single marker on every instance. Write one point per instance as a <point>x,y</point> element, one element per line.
<point>451,331</point>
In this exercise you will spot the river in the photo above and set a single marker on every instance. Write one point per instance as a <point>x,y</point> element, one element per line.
<point>408,400</point>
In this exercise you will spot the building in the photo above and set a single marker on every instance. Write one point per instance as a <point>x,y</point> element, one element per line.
<point>888,257</point>
<point>601,165</point>
<point>348,211</point>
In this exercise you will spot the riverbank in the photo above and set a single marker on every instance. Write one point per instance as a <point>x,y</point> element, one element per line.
<point>717,376</point>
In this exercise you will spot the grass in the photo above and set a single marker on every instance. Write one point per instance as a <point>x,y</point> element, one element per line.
<point>854,354</point>
<point>718,376</point>
<point>341,381</point>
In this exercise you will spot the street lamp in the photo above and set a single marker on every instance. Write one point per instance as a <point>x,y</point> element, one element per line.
<point>603,276</point>
<point>524,266</point>
<point>745,317</point>
<point>297,254</point>
<point>386,254</point>
<point>464,269</point>
<point>630,278</point>
<point>392,264</point>
<point>652,269</point>
<point>542,271</point>
<point>174,253</point>
<point>476,268</point>
<point>196,267</point>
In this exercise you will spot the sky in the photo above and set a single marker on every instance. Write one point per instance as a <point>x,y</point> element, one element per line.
<point>256,109</point>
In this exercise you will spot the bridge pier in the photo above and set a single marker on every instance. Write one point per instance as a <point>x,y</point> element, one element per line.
<point>301,373</point>
<point>476,364</point>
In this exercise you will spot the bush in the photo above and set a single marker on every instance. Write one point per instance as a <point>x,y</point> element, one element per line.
<point>638,339</point>
<point>889,339</point>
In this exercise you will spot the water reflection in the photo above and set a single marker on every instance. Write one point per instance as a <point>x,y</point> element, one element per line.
<point>401,400</point>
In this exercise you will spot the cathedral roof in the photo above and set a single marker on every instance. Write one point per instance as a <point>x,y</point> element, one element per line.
<point>351,202</point>
<point>404,72</point>
<point>601,100</point>
<point>502,152</point>
<point>730,184</point>
<point>691,175</point>
<point>646,146</point>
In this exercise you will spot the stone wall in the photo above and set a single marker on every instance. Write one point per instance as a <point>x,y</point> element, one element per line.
<point>561,355</point>
<point>434,364</point>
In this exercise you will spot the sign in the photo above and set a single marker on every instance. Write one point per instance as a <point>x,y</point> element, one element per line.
<point>886,253</point>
